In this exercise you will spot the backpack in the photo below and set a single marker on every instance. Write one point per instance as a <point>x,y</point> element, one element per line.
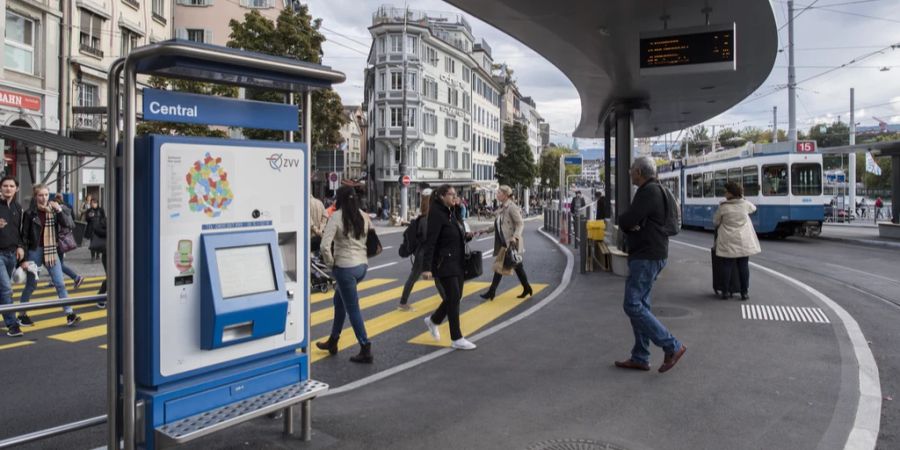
<point>672,224</point>
<point>410,239</point>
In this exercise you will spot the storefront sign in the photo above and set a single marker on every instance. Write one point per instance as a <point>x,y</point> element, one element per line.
<point>17,100</point>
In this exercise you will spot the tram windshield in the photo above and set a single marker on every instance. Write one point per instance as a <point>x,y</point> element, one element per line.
<point>806,179</point>
<point>775,180</point>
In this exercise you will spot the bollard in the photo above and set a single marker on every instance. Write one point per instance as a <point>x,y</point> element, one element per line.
<point>583,242</point>
<point>563,229</point>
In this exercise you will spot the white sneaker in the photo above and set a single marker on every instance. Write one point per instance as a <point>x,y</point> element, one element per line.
<point>433,329</point>
<point>462,344</point>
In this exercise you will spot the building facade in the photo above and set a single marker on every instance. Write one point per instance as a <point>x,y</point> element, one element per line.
<point>207,20</point>
<point>450,98</point>
<point>29,82</point>
<point>353,137</point>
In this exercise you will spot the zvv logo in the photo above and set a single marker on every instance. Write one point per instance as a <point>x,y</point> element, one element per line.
<point>277,161</point>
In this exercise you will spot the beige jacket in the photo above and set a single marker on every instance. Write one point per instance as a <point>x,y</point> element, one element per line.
<point>736,236</point>
<point>511,225</point>
<point>348,252</point>
<point>317,217</point>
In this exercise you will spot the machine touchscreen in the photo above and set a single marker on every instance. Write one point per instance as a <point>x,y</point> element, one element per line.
<point>245,270</point>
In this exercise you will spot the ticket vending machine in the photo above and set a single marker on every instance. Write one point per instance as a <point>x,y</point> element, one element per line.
<point>220,287</point>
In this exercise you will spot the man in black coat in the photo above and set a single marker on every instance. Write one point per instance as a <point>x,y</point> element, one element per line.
<point>648,249</point>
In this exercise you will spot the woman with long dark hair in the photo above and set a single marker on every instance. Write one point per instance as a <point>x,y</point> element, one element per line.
<point>445,248</point>
<point>347,229</point>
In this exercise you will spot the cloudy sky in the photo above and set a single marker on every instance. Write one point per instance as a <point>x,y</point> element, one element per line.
<point>830,34</point>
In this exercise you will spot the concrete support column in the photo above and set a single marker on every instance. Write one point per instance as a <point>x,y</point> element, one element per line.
<point>624,144</point>
<point>607,167</point>
<point>895,189</point>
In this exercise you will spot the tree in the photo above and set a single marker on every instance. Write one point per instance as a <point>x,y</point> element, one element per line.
<point>697,143</point>
<point>186,129</point>
<point>515,166</point>
<point>294,34</point>
<point>549,166</point>
<point>729,138</point>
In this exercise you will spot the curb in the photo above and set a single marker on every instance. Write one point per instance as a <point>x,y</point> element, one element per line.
<point>864,242</point>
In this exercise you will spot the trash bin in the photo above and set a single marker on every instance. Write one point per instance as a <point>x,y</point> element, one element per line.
<point>596,230</point>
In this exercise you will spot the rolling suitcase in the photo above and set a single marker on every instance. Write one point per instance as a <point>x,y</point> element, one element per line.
<point>720,285</point>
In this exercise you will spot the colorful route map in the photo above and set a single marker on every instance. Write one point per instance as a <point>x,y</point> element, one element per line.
<point>208,187</point>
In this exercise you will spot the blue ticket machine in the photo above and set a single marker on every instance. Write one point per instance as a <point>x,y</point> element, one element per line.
<point>220,294</point>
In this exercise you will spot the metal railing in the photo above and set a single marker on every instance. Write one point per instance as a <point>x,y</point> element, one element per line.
<point>23,307</point>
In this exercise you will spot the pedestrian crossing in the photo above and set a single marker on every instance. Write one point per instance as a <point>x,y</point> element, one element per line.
<point>378,300</point>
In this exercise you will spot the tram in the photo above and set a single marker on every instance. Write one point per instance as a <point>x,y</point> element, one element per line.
<point>783,180</point>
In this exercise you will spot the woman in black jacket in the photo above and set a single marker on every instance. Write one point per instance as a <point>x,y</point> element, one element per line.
<point>444,252</point>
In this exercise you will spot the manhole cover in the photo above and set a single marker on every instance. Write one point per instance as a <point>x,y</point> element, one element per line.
<point>574,444</point>
<point>671,311</point>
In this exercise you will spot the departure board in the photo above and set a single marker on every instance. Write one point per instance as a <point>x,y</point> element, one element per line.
<point>692,50</point>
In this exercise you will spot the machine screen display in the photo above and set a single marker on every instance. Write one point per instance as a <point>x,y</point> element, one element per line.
<point>245,270</point>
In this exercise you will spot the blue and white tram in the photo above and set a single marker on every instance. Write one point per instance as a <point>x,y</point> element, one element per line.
<point>785,184</point>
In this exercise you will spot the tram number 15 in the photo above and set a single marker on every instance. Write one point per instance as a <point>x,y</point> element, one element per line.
<point>806,147</point>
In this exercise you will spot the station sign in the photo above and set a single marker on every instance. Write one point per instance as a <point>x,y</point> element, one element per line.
<point>688,50</point>
<point>572,160</point>
<point>169,106</point>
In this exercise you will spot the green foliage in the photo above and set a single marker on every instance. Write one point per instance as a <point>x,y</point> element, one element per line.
<point>549,166</point>
<point>186,129</point>
<point>834,135</point>
<point>294,34</point>
<point>515,166</point>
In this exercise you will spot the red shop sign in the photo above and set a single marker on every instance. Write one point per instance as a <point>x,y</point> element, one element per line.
<point>13,99</point>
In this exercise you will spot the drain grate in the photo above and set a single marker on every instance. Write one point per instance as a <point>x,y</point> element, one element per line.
<point>784,313</point>
<point>574,444</point>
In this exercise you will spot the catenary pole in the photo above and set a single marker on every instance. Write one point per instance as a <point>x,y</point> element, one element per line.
<point>792,80</point>
<point>404,153</point>
<point>851,163</point>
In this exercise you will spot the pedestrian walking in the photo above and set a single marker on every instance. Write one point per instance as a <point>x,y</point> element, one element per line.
<point>68,271</point>
<point>385,208</point>
<point>93,214</point>
<point>417,231</point>
<point>12,249</point>
<point>577,204</point>
<point>445,248</point>
<point>508,227</point>
<point>347,229</point>
<point>317,221</point>
<point>736,239</point>
<point>879,203</point>
<point>648,246</point>
<point>40,225</point>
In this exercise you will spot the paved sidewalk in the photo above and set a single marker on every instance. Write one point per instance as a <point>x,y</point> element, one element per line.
<point>743,384</point>
<point>864,234</point>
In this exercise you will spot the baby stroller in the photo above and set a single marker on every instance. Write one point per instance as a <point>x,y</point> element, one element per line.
<point>320,278</point>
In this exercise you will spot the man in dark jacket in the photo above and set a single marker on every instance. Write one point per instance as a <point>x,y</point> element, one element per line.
<point>648,247</point>
<point>11,248</point>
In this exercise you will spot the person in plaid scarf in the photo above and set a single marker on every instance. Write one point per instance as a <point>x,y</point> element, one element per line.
<point>39,234</point>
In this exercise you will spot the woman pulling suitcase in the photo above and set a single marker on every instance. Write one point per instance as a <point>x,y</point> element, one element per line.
<point>736,239</point>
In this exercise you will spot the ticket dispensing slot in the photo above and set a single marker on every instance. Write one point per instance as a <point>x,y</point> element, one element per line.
<point>243,292</point>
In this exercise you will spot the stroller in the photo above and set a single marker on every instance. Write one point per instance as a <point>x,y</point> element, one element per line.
<point>320,278</point>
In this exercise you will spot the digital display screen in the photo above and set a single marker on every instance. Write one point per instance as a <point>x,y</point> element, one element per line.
<point>245,270</point>
<point>673,50</point>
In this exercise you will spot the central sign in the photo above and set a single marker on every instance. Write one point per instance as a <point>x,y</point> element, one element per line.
<point>171,106</point>
<point>688,50</point>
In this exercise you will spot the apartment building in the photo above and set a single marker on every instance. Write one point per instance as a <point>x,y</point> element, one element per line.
<point>207,20</point>
<point>29,80</point>
<point>352,134</point>
<point>486,124</point>
<point>532,121</point>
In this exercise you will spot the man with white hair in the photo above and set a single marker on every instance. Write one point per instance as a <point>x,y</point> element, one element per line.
<point>648,247</point>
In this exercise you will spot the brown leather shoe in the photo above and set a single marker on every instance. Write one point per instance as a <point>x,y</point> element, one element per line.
<point>670,360</point>
<point>632,364</point>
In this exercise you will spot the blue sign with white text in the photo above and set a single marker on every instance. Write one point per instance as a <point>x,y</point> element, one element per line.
<point>572,160</point>
<point>169,106</point>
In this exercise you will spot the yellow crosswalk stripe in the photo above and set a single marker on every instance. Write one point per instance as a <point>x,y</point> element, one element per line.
<point>44,312</point>
<point>43,292</point>
<point>69,282</point>
<point>14,345</point>
<point>61,321</point>
<point>477,317</point>
<point>104,347</point>
<point>365,284</point>
<point>80,334</point>
<point>385,322</point>
<point>326,315</point>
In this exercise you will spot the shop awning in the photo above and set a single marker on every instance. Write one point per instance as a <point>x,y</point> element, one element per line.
<point>61,144</point>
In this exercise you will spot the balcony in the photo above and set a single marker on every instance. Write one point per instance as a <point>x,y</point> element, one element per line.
<point>93,51</point>
<point>87,122</point>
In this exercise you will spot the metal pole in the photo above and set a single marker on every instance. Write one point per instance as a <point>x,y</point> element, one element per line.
<point>792,80</point>
<point>624,143</point>
<point>50,432</point>
<point>306,421</point>
<point>113,361</point>
<point>607,166</point>
<point>404,156</point>
<point>305,407</point>
<point>895,189</point>
<point>128,379</point>
<point>288,421</point>
<point>852,156</point>
<point>774,124</point>
<point>582,243</point>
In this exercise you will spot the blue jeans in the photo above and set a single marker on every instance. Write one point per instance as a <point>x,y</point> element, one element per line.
<point>642,274</point>
<point>66,270</point>
<point>56,276</point>
<point>346,301</point>
<point>7,266</point>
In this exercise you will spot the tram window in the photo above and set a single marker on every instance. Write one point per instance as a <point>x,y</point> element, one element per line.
<point>688,186</point>
<point>775,180</point>
<point>697,185</point>
<point>734,175</point>
<point>721,178</point>
<point>806,179</point>
<point>707,184</point>
<point>751,181</point>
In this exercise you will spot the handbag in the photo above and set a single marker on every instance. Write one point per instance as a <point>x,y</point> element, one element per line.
<point>65,240</point>
<point>473,265</point>
<point>499,265</point>
<point>512,259</point>
<point>373,244</point>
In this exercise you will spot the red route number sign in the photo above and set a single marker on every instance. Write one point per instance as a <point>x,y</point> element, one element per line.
<point>806,146</point>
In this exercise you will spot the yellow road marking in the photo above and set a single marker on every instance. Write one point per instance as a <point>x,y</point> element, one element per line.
<point>365,284</point>
<point>44,312</point>
<point>80,334</point>
<point>104,347</point>
<point>385,322</point>
<point>69,282</point>
<point>38,293</point>
<point>61,321</point>
<point>326,315</point>
<point>17,344</point>
<point>477,317</point>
